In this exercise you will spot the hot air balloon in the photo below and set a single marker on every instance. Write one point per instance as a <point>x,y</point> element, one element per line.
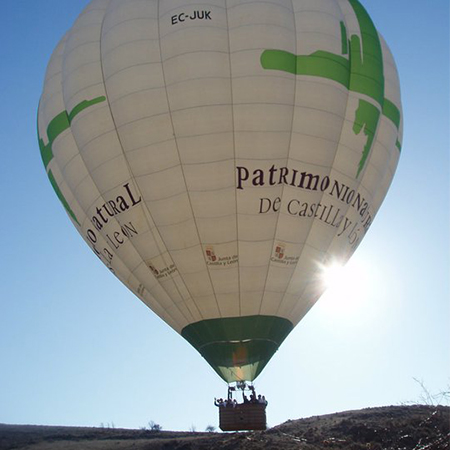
<point>216,155</point>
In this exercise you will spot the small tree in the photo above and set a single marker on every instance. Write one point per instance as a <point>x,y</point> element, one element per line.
<point>153,426</point>
<point>210,429</point>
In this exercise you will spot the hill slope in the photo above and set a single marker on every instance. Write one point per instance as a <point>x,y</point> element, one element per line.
<point>393,427</point>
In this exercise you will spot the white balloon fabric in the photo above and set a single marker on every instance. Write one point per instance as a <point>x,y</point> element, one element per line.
<point>215,154</point>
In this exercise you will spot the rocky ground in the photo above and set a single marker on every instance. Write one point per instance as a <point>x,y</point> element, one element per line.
<point>387,428</point>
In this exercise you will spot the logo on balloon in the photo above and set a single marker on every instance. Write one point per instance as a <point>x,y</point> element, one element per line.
<point>161,269</point>
<point>210,255</point>
<point>154,270</point>
<point>213,260</point>
<point>281,257</point>
<point>279,251</point>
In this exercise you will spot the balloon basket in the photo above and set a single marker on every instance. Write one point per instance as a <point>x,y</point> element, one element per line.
<point>246,416</point>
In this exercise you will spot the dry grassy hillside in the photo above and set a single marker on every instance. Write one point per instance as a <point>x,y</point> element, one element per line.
<point>393,428</point>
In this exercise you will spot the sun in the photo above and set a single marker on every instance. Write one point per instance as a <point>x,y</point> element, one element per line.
<point>346,285</point>
<point>333,275</point>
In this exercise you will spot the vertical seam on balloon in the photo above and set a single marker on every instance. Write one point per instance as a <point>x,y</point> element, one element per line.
<point>138,190</point>
<point>101,195</point>
<point>358,184</point>
<point>54,162</point>
<point>180,163</point>
<point>234,155</point>
<point>313,220</point>
<point>287,161</point>
<point>184,177</point>
<point>311,227</point>
<point>162,240</point>
<point>144,211</point>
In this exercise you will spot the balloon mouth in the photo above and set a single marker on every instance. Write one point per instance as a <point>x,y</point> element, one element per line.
<point>238,348</point>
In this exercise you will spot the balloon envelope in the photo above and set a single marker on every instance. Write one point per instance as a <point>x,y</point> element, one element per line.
<point>215,155</point>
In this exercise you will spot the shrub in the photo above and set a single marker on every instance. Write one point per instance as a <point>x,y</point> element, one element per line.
<point>153,426</point>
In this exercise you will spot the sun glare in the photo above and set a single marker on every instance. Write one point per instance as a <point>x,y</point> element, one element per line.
<point>332,275</point>
<point>345,285</point>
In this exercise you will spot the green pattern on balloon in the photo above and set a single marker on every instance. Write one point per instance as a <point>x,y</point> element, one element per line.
<point>391,112</point>
<point>60,123</point>
<point>362,72</point>
<point>344,39</point>
<point>366,58</point>
<point>61,197</point>
<point>318,64</point>
<point>367,118</point>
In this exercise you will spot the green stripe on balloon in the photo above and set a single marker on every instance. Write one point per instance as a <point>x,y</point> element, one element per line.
<point>238,348</point>
<point>391,112</point>
<point>362,72</point>
<point>318,64</point>
<point>57,125</point>
<point>344,39</point>
<point>366,58</point>
<point>366,120</point>
<point>60,123</point>
<point>84,105</point>
<point>61,197</point>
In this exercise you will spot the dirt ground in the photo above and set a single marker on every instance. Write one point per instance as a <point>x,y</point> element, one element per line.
<point>387,428</point>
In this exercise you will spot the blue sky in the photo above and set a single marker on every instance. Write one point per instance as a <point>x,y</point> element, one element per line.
<point>76,348</point>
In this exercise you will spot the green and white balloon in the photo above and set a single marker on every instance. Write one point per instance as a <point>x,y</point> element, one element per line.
<point>215,154</point>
